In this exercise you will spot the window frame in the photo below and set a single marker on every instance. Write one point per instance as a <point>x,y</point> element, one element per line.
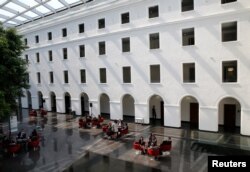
<point>153,11</point>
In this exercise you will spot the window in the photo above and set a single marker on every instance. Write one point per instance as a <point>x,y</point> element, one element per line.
<point>155,74</point>
<point>26,58</point>
<point>50,55</point>
<point>154,41</point>
<point>82,50</point>
<point>125,44</point>
<point>102,49</point>
<point>229,71</point>
<point>187,5</point>
<point>49,36</point>
<point>28,78</point>
<point>25,41</point>
<point>37,38</point>
<point>51,77</point>
<point>126,75</point>
<point>101,23</point>
<point>83,75</point>
<point>153,12</point>
<point>227,1</point>
<point>65,53</point>
<point>37,57</point>
<point>229,31</point>
<point>188,72</point>
<point>125,18</point>
<point>38,77</point>
<point>66,77</point>
<point>81,28</point>
<point>103,78</point>
<point>188,37</point>
<point>64,32</point>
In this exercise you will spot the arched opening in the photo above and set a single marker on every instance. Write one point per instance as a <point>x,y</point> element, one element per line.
<point>29,100</point>
<point>229,115</point>
<point>84,104</point>
<point>40,100</point>
<point>128,108</point>
<point>53,101</point>
<point>67,99</point>
<point>156,109</point>
<point>190,112</point>
<point>105,105</point>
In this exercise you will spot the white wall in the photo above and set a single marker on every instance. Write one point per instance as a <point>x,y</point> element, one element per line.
<point>208,53</point>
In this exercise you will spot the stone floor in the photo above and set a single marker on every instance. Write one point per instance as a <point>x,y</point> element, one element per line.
<point>65,147</point>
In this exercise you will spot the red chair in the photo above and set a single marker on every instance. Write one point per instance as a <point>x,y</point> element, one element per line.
<point>155,152</point>
<point>137,146</point>
<point>43,112</point>
<point>14,148</point>
<point>34,143</point>
<point>105,128</point>
<point>124,131</point>
<point>81,123</point>
<point>33,113</point>
<point>101,119</point>
<point>166,146</point>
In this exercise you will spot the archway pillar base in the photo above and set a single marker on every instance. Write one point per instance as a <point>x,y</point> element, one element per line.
<point>172,116</point>
<point>142,112</point>
<point>95,110</point>
<point>208,119</point>
<point>245,121</point>
<point>115,110</point>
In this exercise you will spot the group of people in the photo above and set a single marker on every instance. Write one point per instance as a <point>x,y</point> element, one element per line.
<point>115,128</point>
<point>90,121</point>
<point>152,142</point>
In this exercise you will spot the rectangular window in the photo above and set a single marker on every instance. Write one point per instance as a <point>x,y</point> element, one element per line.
<point>49,36</point>
<point>37,38</point>
<point>37,57</point>
<point>26,58</point>
<point>25,41</point>
<point>125,18</point>
<point>125,44</point>
<point>51,77</point>
<point>83,75</point>
<point>188,72</point>
<point>82,50</point>
<point>155,76</point>
<point>102,49</point>
<point>103,77</point>
<point>188,37</point>
<point>187,5</point>
<point>154,41</point>
<point>65,53</point>
<point>153,12</point>
<point>50,55</point>
<point>229,71</point>
<point>66,77</point>
<point>64,32</point>
<point>101,23</point>
<point>227,1</point>
<point>126,75</point>
<point>38,77</point>
<point>229,31</point>
<point>81,28</point>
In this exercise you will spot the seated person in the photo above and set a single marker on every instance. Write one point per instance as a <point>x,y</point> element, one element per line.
<point>142,144</point>
<point>152,141</point>
<point>34,135</point>
<point>21,135</point>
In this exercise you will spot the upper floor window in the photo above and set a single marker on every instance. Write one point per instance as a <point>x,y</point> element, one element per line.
<point>155,75</point>
<point>229,31</point>
<point>188,37</point>
<point>187,5</point>
<point>102,48</point>
<point>229,71</point>
<point>64,32</point>
<point>38,77</point>
<point>126,74</point>
<point>50,55</point>
<point>27,58</point>
<point>125,18</point>
<point>37,38</point>
<point>51,76</point>
<point>83,75</point>
<point>103,77</point>
<point>101,23</point>
<point>37,57</point>
<point>227,1</point>
<point>82,50</point>
<point>154,41</point>
<point>66,77</point>
<point>153,11</point>
<point>25,41</point>
<point>81,28</point>
<point>65,53</point>
<point>49,36</point>
<point>188,72</point>
<point>126,44</point>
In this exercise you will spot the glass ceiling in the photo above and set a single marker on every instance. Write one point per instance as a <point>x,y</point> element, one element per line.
<point>18,12</point>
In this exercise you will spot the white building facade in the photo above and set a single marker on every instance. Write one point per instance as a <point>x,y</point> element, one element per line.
<point>190,59</point>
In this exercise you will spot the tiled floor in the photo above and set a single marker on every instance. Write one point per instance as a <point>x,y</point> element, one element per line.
<point>65,147</point>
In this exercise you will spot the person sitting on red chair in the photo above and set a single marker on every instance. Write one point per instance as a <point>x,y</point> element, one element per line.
<point>142,144</point>
<point>152,141</point>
